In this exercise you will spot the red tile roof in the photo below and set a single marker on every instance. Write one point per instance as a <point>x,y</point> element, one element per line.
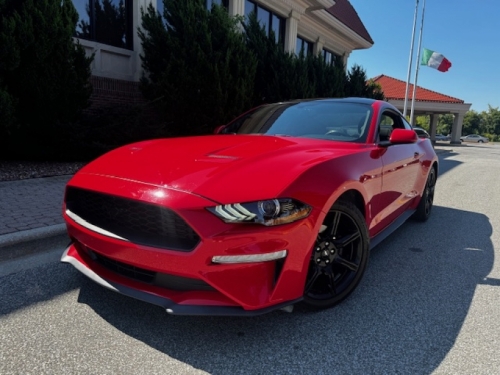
<point>345,13</point>
<point>395,89</point>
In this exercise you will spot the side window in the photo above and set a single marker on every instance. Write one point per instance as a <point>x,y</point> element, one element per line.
<point>406,124</point>
<point>385,126</point>
<point>388,122</point>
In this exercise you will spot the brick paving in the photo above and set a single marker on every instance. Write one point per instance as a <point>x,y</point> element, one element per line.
<point>32,203</point>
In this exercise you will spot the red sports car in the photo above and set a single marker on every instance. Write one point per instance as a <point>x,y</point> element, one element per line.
<point>282,205</point>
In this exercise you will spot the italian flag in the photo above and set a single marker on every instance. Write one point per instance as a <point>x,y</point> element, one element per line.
<point>435,60</point>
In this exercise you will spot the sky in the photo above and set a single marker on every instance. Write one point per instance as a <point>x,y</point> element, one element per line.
<point>466,32</point>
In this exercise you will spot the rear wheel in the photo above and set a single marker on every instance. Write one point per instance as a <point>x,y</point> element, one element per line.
<point>425,206</point>
<point>339,257</point>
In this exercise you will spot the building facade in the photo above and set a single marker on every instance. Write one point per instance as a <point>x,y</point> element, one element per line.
<point>108,29</point>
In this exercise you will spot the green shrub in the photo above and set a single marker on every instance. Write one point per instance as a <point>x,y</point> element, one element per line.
<point>197,65</point>
<point>44,75</point>
<point>205,71</point>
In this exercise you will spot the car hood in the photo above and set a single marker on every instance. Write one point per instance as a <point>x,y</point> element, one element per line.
<point>223,168</point>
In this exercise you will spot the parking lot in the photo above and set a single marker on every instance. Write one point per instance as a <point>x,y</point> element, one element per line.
<point>428,304</point>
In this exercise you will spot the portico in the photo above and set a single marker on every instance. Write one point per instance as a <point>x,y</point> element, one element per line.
<point>427,102</point>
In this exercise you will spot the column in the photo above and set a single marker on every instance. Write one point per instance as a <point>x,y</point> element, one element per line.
<point>137,23</point>
<point>292,24</point>
<point>456,130</point>
<point>345,57</point>
<point>433,127</point>
<point>236,8</point>
<point>318,46</point>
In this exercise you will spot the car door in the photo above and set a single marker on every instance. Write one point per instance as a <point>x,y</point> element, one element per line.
<point>401,164</point>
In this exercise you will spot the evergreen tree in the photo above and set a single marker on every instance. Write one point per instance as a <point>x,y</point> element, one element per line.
<point>359,85</point>
<point>44,75</point>
<point>330,78</point>
<point>197,64</point>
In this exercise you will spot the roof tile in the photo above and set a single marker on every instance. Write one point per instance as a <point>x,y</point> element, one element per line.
<point>345,13</point>
<point>395,89</point>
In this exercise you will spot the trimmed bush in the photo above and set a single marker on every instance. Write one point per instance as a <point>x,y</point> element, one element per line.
<point>44,76</point>
<point>197,65</point>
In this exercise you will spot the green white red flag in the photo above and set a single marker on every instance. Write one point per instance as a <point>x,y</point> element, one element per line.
<point>435,60</point>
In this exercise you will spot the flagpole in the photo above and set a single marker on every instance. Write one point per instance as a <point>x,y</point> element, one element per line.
<point>418,64</point>
<point>410,60</point>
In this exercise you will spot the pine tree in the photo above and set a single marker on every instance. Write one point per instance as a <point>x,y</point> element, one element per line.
<point>359,85</point>
<point>44,75</point>
<point>197,64</point>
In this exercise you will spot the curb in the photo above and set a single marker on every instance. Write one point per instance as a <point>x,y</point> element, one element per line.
<point>15,238</point>
<point>33,241</point>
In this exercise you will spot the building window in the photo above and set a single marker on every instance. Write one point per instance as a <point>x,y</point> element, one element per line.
<point>304,46</point>
<point>329,56</point>
<point>160,7</point>
<point>271,21</point>
<point>105,21</point>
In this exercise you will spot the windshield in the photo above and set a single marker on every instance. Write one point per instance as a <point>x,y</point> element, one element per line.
<point>323,119</point>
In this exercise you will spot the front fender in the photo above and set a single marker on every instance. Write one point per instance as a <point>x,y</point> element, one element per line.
<point>323,184</point>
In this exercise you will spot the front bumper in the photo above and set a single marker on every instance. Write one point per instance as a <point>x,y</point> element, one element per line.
<point>71,256</point>
<point>234,288</point>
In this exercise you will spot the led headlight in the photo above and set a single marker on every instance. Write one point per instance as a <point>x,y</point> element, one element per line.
<point>268,212</point>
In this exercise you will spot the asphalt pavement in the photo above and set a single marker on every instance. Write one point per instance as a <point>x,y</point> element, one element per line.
<point>428,304</point>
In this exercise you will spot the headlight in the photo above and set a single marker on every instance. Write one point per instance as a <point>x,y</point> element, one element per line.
<point>268,212</point>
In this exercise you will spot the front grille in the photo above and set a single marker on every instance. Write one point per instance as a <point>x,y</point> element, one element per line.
<point>150,277</point>
<point>139,222</point>
<point>124,269</point>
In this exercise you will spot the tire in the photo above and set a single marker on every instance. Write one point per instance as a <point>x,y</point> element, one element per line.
<point>339,257</point>
<point>424,207</point>
<point>480,141</point>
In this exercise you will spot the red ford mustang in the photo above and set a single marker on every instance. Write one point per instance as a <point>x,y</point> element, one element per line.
<point>282,205</point>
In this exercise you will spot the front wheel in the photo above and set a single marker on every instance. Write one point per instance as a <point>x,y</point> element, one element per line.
<point>339,257</point>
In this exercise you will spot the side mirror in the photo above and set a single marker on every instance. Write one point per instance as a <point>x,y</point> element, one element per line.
<point>400,137</point>
<point>218,129</point>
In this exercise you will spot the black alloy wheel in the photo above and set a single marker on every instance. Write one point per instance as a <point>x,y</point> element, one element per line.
<point>339,257</point>
<point>424,208</point>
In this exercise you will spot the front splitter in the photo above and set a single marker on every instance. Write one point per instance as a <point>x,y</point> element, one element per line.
<point>170,306</point>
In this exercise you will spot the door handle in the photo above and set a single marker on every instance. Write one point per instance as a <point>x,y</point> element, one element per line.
<point>416,155</point>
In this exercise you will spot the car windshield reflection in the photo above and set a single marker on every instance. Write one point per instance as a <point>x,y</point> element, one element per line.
<point>324,119</point>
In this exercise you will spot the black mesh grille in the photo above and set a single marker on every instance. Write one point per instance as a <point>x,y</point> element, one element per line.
<point>127,270</point>
<point>139,222</point>
<point>150,277</point>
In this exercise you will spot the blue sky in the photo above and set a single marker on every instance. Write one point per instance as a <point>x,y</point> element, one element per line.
<point>466,32</point>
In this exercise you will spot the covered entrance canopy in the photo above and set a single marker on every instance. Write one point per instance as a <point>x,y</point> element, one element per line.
<point>427,102</point>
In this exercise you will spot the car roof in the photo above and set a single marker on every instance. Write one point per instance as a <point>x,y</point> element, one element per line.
<point>344,100</point>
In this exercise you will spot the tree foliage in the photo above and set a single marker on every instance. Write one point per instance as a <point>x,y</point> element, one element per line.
<point>359,85</point>
<point>44,75</point>
<point>486,123</point>
<point>206,67</point>
<point>197,64</point>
